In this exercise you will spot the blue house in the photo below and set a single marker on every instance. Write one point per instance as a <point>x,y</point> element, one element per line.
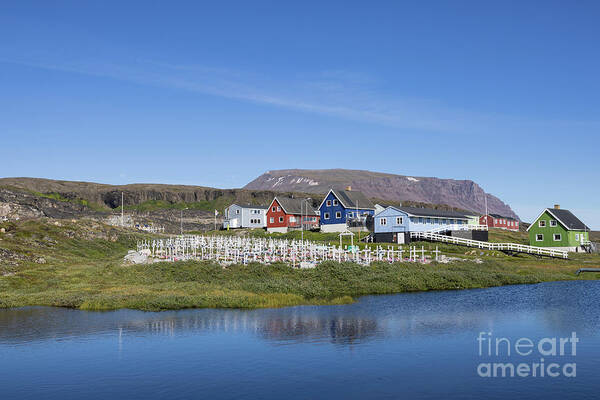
<point>394,224</point>
<point>343,209</point>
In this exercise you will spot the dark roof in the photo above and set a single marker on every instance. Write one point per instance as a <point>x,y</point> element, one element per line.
<point>251,206</point>
<point>502,216</point>
<point>386,205</point>
<point>296,206</point>
<point>568,219</point>
<point>353,199</point>
<point>431,212</point>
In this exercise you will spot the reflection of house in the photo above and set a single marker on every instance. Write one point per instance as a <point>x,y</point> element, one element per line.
<point>394,224</point>
<point>245,216</point>
<point>342,209</point>
<point>498,221</point>
<point>560,229</point>
<point>284,214</point>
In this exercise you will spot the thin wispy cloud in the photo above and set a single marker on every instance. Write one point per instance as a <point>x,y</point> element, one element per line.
<point>339,93</point>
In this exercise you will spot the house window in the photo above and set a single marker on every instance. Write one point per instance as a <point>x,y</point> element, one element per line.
<point>557,237</point>
<point>399,220</point>
<point>420,220</point>
<point>328,203</point>
<point>350,214</point>
<point>552,222</point>
<point>273,209</point>
<point>335,202</point>
<point>338,215</point>
<point>539,237</point>
<point>326,216</point>
<point>237,211</point>
<point>542,223</point>
<point>383,221</point>
<point>495,221</point>
<point>271,220</point>
<point>577,237</point>
<point>292,219</point>
<point>280,219</point>
<point>278,209</point>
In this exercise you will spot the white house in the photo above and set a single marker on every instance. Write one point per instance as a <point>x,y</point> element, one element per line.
<point>245,216</point>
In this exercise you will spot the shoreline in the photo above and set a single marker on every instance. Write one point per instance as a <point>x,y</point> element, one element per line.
<point>80,266</point>
<point>325,304</point>
<point>184,285</point>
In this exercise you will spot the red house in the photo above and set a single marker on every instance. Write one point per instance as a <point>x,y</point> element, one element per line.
<point>498,221</point>
<point>285,214</point>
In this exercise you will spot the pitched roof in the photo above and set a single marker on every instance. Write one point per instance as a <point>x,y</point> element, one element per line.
<point>250,206</point>
<point>353,199</point>
<point>502,216</point>
<point>430,212</point>
<point>567,219</point>
<point>295,206</point>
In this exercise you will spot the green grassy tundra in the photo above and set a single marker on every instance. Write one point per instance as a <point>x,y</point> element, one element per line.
<point>79,264</point>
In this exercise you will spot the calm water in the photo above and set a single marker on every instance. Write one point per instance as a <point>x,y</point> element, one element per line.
<point>421,345</point>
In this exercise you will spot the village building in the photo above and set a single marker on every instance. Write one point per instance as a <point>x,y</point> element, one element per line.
<point>499,221</point>
<point>245,216</point>
<point>394,224</point>
<point>474,219</point>
<point>341,210</point>
<point>559,229</point>
<point>285,214</point>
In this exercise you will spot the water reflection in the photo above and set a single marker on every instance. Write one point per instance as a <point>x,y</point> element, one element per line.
<point>43,323</point>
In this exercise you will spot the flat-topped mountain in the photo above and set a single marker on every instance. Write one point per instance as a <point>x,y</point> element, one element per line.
<point>464,194</point>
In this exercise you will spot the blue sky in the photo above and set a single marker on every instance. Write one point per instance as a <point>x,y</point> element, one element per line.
<point>506,94</point>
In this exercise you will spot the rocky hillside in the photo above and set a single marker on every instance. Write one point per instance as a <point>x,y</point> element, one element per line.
<point>463,194</point>
<point>109,196</point>
<point>161,205</point>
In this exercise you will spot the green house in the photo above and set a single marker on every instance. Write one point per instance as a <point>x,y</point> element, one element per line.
<point>560,229</point>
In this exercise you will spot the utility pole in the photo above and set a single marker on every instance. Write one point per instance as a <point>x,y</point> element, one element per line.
<point>302,223</point>
<point>122,210</point>
<point>302,217</point>
<point>360,222</point>
<point>486,210</point>
<point>181,220</point>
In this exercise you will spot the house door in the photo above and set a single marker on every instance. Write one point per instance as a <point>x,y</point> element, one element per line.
<point>400,236</point>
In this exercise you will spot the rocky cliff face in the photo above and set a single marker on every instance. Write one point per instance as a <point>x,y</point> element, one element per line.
<point>464,194</point>
<point>109,196</point>
<point>23,198</point>
<point>16,204</point>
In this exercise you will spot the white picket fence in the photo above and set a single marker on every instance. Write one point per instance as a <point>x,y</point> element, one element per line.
<point>520,248</point>
<point>459,227</point>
